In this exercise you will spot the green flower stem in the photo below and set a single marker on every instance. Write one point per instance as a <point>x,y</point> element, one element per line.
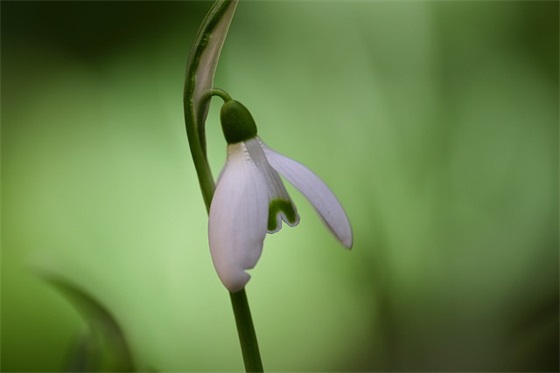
<point>216,92</point>
<point>202,63</point>
<point>205,179</point>
<point>246,331</point>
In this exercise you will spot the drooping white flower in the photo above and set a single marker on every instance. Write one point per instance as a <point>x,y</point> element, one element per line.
<point>250,199</point>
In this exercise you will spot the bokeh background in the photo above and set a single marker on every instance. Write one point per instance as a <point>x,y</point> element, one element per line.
<point>435,123</point>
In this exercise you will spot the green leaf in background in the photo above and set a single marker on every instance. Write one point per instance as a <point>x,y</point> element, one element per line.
<point>103,346</point>
<point>86,352</point>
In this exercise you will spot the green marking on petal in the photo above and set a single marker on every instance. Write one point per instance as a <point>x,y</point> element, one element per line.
<point>279,205</point>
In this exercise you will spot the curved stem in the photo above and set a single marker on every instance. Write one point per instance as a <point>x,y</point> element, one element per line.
<point>216,92</point>
<point>205,179</point>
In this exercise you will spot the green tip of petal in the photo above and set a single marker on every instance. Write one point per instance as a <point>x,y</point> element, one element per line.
<point>275,207</point>
<point>237,123</point>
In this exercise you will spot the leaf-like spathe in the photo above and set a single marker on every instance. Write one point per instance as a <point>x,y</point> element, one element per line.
<point>203,61</point>
<point>201,67</point>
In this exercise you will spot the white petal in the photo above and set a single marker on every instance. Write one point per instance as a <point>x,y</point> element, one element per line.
<point>316,191</point>
<point>281,206</point>
<point>237,224</point>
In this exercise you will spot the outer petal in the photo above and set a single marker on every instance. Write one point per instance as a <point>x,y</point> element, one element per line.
<point>238,218</point>
<point>316,191</point>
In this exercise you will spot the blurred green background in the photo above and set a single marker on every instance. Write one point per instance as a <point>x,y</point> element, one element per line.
<point>435,123</point>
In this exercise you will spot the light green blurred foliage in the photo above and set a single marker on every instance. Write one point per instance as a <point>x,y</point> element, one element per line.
<point>435,123</point>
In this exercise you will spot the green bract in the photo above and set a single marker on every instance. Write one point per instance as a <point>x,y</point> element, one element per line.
<point>203,61</point>
<point>237,123</point>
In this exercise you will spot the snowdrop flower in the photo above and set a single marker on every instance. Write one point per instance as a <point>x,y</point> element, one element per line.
<point>250,199</point>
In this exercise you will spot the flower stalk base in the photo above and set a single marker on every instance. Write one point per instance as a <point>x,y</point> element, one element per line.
<point>246,331</point>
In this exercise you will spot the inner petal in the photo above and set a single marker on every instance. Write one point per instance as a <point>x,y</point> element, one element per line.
<point>281,206</point>
<point>285,210</point>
